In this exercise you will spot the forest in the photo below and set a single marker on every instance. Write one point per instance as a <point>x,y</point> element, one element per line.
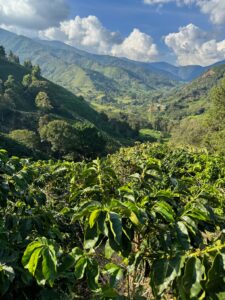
<point>96,204</point>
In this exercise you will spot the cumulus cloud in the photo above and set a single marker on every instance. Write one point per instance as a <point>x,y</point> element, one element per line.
<point>214,8</point>
<point>32,14</point>
<point>192,46</point>
<point>89,34</point>
<point>137,46</point>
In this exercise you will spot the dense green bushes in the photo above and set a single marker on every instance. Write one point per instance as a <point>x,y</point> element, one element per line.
<point>145,223</point>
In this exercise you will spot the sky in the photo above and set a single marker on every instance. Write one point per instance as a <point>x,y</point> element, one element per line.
<point>181,32</point>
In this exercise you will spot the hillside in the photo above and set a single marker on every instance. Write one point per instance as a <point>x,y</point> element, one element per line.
<point>109,83</point>
<point>191,98</point>
<point>146,96</point>
<point>29,103</point>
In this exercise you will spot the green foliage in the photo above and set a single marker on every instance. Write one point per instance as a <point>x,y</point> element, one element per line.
<point>91,141</point>
<point>13,58</point>
<point>36,71</point>
<point>2,52</point>
<point>10,82</point>
<point>28,65</point>
<point>27,80</point>
<point>25,137</point>
<point>25,96</point>
<point>207,130</point>
<point>145,223</point>
<point>40,260</point>
<point>218,105</point>
<point>43,102</point>
<point>61,135</point>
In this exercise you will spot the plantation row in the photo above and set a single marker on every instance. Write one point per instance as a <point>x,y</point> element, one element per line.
<point>145,223</point>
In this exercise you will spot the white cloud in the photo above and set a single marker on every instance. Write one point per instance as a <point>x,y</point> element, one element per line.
<point>192,46</point>
<point>89,34</point>
<point>32,14</point>
<point>137,46</point>
<point>86,33</point>
<point>214,8</point>
<point>178,2</point>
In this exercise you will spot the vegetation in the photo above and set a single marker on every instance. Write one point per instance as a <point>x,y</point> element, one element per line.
<point>125,90</point>
<point>145,223</point>
<point>46,118</point>
<point>109,84</point>
<point>207,130</point>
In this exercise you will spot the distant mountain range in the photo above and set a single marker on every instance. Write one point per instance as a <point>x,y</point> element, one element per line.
<point>101,78</point>
<point>111,84</point>
<point>92,76</point>
<point>192,98</point>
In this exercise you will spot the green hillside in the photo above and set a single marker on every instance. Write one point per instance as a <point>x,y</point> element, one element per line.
<point>190,99</point>
<point>145,96</point>
<point>49,120</point>
<point>109,83</point>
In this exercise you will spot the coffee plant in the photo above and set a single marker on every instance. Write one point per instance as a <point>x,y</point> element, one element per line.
<point>145,223</point>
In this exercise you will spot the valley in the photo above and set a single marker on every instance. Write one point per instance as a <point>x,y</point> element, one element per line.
<point>112,176</point>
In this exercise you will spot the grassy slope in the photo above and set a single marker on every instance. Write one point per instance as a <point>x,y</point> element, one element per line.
<point>63,98</point>
<point>192,98</point>
<point>100,79</point>
<point>66,106</point>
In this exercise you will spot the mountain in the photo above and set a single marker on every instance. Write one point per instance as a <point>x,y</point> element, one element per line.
<point>49,120</point>
<point>186,73</point>
<point>103,80</point>
<point>192,98</point>
<point>124,89</point>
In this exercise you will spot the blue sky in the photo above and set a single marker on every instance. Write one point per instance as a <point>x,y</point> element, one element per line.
<point>183,32</point>
<point>124,15</point>
<point>157,21</point>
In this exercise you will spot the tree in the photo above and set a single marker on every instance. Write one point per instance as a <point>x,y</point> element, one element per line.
<point>36,71</point>
<point>13,58</point>
<point>12,90</point>
<point>43,102</point>
<point>218,105</point>
<point>28,64</point>
<point>215,137</point>
<point>27,80</point>
<point>190,131</point>
<point>10,82</point>
<point>61,135</point>
<point>28,138</point>
<point>1,86</point>
<point>91,141</point>
<point>2,52</point>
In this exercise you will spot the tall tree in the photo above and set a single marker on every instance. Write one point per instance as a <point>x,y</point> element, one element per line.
<point>13,58</point>
<point>28,64</point>
<point>2,52</point>
<point>36,71</point>
<point>218,105</point>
